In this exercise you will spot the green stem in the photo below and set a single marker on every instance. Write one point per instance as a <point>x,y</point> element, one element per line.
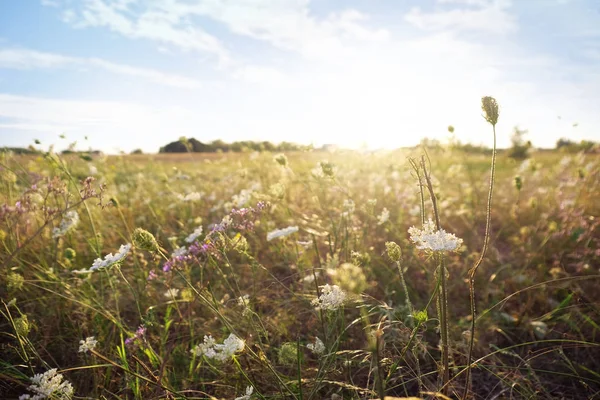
<point>486,240</point>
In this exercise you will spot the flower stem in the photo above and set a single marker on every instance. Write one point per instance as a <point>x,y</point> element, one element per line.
<point>486,241</point>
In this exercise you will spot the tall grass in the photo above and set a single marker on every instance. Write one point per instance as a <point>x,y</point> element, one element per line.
<point>404,326</point>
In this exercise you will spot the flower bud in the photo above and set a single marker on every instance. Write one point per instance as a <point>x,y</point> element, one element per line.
<point>393,251</point>
<point>142,239</point>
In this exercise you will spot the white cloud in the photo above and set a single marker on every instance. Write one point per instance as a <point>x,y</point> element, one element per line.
<point>156,23</point>
<point>491,17</point>
<point>18,58</point>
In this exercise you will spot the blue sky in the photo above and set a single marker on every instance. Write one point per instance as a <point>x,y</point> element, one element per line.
<point>132,74</point>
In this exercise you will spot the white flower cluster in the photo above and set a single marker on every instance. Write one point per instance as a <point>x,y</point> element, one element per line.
<point>383,217</point>
<point>221,352</point>
<point>249,390</point>
<point>194,196</point>
<point>349,207</point>
<point>69,221</point>
<point>180,251</point>
<point>88,344</point>
<point>331,298</point>
<point>48,385</point>
<point>244,301</point>
<point>431,239</point>
<point>318,347</point>
<point>172,293</point>
<point>281,232</point>
<point>194,235</point>
<point>109,260</point>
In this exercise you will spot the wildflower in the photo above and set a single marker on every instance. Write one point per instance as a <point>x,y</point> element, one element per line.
<point>383,217</point>
<point>331,298</point>
<point>50,384</point>
<point>108,261</point>
<point>288,353</point>
<point>318,347</point>
<point>221,352</point>
<point>139,333</point>
<point>194,235</point>
<point>152,275</point>
<point>244,301</point>
<point>180,251</point>
<point>194,196</point>
<point>69,221</point>
<point>249,390</point>
<point>281,232</point>
<point>172,293</point>
<point>434,240</point>
<point>349,207</point>
<point>349,277</point>
<point>88,344</point>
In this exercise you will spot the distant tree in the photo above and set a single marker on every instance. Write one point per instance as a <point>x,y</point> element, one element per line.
<point>175,147</point>
<point>137,151</point>
<point>519,148</point>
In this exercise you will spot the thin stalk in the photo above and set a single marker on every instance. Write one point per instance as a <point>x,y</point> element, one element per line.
<point>443,297</point>
<point>486,241</point>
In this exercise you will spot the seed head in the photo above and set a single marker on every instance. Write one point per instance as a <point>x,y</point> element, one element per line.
<point>489,105</point>
<point>393,251</point>
<point>142,239</point>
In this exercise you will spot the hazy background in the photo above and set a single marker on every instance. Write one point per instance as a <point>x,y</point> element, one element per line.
<point>138,74</point>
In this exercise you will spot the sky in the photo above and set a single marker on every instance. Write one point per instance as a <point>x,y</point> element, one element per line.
<point>118,75</point>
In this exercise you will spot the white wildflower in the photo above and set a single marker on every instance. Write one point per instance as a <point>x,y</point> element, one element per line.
<point>431,239</point>
<point>172,293</point>
<point>193,196</point>
<point>383,217</point>
<point>242,198</point>
<point>318,347</point>
<point>220,352</point>
<point>281,232</point>
<point>50,384</point>
<point>88,344</point>
<point>244,301</point>
<point>69,221</point>
<point>349,207</point>
<point>109,260</point>
<point>194,235</point>
<point>180,251</point>
<point>249,390</point>
<point>331,298</point>
<point>93,170</point>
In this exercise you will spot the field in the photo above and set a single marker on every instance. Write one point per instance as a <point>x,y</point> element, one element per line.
<point>266,276</point>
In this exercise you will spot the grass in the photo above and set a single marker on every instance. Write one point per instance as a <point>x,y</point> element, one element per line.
<point>538,317</point>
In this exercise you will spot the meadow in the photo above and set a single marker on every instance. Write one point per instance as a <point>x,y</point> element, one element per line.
<point>294,276</point>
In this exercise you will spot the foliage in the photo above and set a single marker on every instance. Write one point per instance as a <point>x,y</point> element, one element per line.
<point>537,328</point>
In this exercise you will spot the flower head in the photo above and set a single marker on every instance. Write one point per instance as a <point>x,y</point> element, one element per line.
<point>108,261</point>
<point>50,384</point>
<point>88,344</point>
<point>490,109</point>
<point>69,221</point>
<point>281,232</point>
<point>249,390</point>
<point>331,298</point>
<point>221,352</point>
<point>318,347</point>
<point>194,235</point>
<point>431,239</point>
